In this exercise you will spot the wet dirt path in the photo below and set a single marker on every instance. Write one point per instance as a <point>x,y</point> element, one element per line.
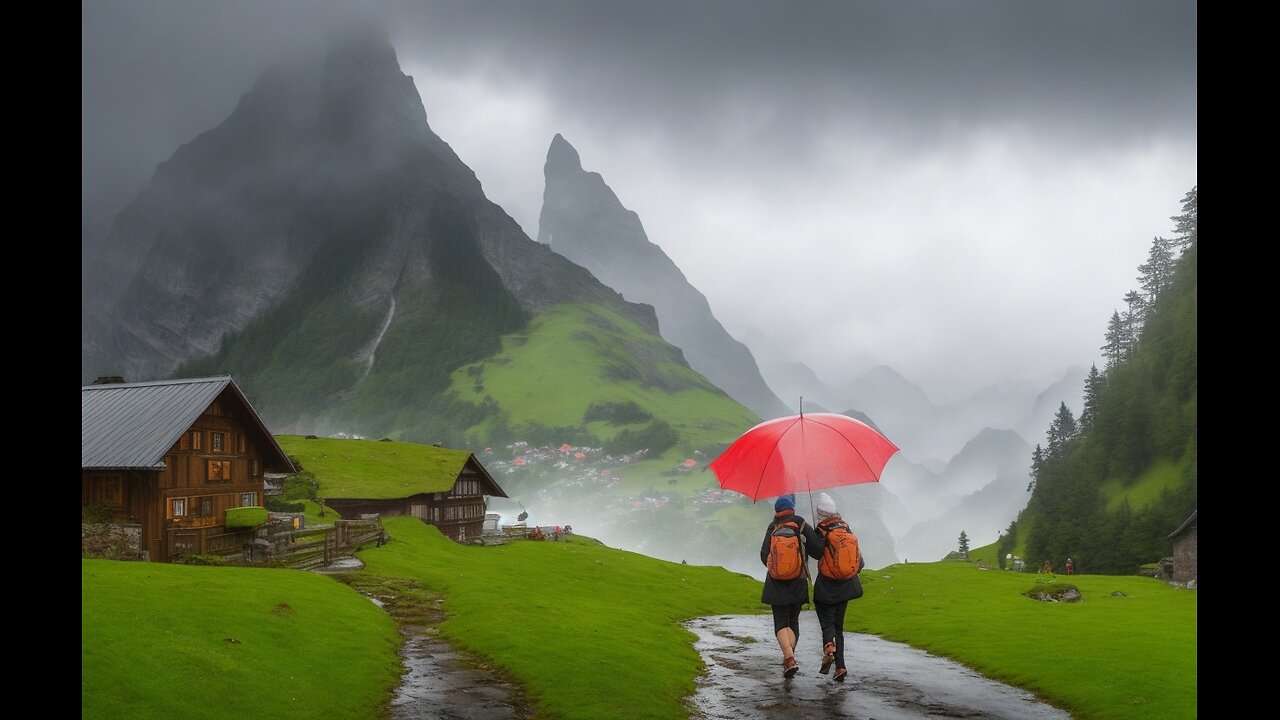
<point>887,680</point>
<point>438,683</point>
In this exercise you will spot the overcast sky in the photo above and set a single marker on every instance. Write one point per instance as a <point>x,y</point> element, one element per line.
<point>962,190</point>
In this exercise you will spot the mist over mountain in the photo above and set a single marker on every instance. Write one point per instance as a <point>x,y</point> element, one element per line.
<point>981,490</point>
<point>327,248</point>
<point>793,380</point>
<point>583,220</point>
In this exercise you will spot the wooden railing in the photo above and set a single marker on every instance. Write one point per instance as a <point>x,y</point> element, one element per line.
<point>321,545</point>
<point>205,541</point>
<point>306,548</point>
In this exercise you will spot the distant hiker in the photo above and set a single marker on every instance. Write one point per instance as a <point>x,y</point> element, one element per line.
<point>1070,567</point>
<point>1047,567</point>
<point>839,562</point>
<point>786,584</point>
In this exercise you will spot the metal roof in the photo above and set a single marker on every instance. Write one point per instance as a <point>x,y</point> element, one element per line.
<point>133,425</point>
<point>1185,523</point>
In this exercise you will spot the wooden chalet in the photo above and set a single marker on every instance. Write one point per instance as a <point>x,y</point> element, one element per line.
<point>172,457</point>
<point>440,486</point>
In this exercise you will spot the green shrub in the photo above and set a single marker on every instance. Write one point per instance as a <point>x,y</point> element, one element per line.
<point>246,517</point>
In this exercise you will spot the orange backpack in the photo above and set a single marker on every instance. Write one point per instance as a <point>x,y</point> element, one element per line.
<point>840,558</point>
<point>786,556</point>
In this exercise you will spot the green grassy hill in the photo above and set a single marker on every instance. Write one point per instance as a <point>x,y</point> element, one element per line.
<point>176,641</point>
<point>548,376</point>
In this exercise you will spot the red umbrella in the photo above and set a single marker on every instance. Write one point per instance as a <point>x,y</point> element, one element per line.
<point>802,453</point>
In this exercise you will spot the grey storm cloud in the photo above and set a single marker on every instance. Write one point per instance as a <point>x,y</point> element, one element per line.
<point>946,172</point>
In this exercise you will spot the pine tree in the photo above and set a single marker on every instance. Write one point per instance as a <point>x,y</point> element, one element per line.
<point>1037,463</point>
<point>1116,345</point>
<point>964,544</point>
<point>1092,388</point>
<point>1156,273</point>
<point>1061,432</point>
<point>1133,319</point>
<point>1185,225</point>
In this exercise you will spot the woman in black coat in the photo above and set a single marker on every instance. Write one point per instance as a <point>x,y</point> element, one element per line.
<point>831,596</point>
<point>786,596</point>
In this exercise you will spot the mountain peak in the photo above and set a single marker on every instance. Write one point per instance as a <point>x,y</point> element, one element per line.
<point>583,220</point>
<point>365,42</point>
<point>562,156</point>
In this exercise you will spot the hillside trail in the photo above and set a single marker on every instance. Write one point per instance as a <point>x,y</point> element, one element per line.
<point>439,683</point>
<point>886,681</point>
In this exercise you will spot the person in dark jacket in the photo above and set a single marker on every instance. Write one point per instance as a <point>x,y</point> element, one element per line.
<point>831,596</point>
<point>786,596</point>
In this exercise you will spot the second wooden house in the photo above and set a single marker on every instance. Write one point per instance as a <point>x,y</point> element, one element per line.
<point>440,486</point>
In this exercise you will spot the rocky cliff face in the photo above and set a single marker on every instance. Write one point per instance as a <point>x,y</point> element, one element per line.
<point>326,246</point>
<point>583,220</point>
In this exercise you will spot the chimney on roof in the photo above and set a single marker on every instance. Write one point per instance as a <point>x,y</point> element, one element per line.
<point>109,380</point>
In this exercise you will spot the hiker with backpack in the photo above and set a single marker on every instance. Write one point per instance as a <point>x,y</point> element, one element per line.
<point>786,584</point>
<point>839,562</point>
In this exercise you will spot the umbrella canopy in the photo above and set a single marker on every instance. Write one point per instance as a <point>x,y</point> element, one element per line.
<point>802,453</point>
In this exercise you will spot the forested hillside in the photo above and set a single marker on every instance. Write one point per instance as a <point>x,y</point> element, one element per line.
<point>1108,487</point>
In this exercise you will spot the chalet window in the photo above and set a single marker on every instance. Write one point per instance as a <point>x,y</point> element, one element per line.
<point>108,489</point>
<point>435,514</point>
<point>240,443</point>
<point>192,439</point>
<point>202,507</point>
<point>255,470</point>
<point>248,499</point>
<point>217,441</point>
<point>219,471</point>
<point>178,507</point>
<point>464,488</point>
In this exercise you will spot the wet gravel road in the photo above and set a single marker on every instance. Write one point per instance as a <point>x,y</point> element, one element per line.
<point>887,680</point>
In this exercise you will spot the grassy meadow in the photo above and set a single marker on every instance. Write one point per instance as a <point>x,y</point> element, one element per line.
<point>1108,656</point>
<point>179,641</point>
<point>591,631</point>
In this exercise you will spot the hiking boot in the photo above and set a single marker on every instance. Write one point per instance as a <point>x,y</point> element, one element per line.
<point>789,667</point>
<point>840,674</point>
<point>828,657</point>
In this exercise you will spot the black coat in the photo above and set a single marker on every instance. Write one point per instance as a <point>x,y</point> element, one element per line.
<point>829,591</point>
<point>786,592</point>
